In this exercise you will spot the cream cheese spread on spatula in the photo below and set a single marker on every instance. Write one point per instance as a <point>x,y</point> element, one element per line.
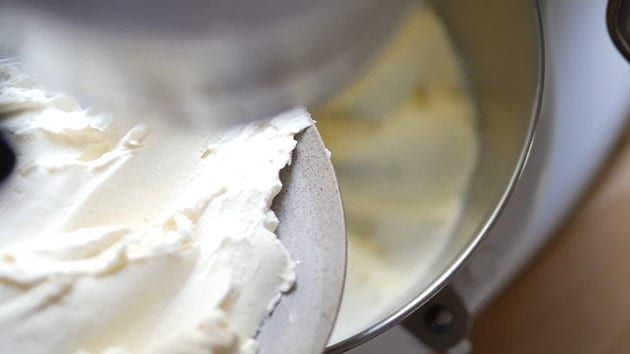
<point>121,237</point>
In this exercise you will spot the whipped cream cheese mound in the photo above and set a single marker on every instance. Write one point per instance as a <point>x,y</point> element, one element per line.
<point>120,238</point>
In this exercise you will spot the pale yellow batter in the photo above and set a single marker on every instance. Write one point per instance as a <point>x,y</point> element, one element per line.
<point>404,147</point>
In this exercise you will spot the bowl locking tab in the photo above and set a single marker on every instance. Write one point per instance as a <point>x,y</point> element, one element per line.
<point>442,323</point>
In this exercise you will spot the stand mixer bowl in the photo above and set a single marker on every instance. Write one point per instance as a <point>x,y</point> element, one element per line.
<point>500,46</point>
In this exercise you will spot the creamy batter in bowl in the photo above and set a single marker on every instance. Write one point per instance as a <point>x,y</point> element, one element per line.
<point>404,145</point>
<point>428,145</point>
<point>494,38</point>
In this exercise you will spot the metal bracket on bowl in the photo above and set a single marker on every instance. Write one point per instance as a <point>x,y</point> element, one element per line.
<point>442,323</point>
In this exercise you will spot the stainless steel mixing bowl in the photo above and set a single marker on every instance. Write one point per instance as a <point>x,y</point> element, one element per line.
<point>501,47</point>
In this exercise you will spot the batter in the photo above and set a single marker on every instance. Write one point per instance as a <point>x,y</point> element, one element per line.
<point>404,146</point>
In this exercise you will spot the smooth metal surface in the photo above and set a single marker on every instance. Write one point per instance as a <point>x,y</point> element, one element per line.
<point>501,46</point>
<point>312,228</point>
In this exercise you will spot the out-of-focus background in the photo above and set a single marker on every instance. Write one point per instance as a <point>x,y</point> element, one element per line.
<point>575,295</point>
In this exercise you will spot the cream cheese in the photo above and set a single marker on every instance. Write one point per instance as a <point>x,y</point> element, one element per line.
<point>137,238</point>
<point>404,146</point>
